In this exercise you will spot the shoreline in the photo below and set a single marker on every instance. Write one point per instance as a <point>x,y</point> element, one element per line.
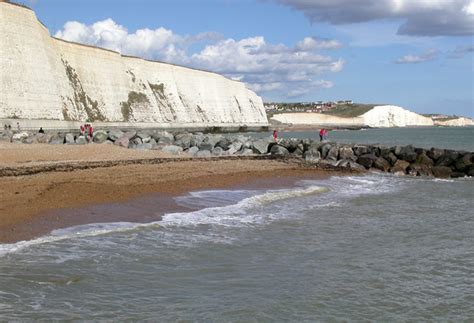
<point>33,205</point>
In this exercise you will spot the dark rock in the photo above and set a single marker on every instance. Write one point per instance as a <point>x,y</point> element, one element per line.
<point>381,164</point>
<point>470,171</point>
<point>423,159</point>
<point>367,160</point>
<point>447,159</point>
<point>442,171</point>
<point>458,175</point>
<point>383,151</point>
<point>278,150</point>
<point>400,166</point>
<point>435,153</point>
<point>360,150</point>
<point>391,158</point>
<point>135,141</point>
<point>224,143</point>
<point>419,170</point>
<point>408,154</point>
<point>464,162</point>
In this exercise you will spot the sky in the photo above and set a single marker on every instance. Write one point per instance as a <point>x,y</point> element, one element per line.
<point>418,54</point>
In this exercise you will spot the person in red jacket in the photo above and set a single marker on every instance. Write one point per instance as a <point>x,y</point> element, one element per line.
<point>275,135</point>
<point>91,133</point>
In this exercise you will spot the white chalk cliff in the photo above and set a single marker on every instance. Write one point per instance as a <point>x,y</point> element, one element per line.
<point>392,116</point>
<point>46,78</point>
<point>378,117</point>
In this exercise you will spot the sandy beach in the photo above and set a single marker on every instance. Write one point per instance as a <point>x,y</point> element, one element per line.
<point>53,181</point>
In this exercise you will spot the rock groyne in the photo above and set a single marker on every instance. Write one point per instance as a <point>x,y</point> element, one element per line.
<point>399,160</point>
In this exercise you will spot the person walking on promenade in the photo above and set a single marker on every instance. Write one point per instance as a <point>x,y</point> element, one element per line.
<point>275,135</point>
<point>83,129</point>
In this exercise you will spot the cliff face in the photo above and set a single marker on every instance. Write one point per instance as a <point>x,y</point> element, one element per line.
<point>393,116</point>
<point>459,122</point>
<point>47,78</point>
<point>378,117</point>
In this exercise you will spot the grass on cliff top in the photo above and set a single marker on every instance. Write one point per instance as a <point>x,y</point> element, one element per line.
<point>350,110</point>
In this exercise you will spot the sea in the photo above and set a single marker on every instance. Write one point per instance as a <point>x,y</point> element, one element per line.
<point>372,247</point>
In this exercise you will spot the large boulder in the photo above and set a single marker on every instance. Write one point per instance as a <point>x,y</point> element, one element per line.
<point>19,137</point>
<point>360,150</point>
<point>69,139</point>
<point>407,153</point>
<point>312,155</point>
<point>205,145</point>
<point>100,136</point>
<point>464,162</point>
<point>122,142</point>
<point>333,153</point>
<point>224,143</point>
<point>391,158</point>
<point>350,165</point>
<point>278,150</point>
<point>381,164</point>
<point>419,170</point>
<point>217,151</point>
<point>115,134</point>
<point>448,158</point>
<point>81,140</point>
<point>435,153</point>
<point>192,151</point>
<point>400,167</point>
<point>42,138</point>
<point>57,139</point>
<point>163,137</point>
<point>246,152</point>
<point>367,160</point>
<point>442,171</point>
<point>183,140</point>
<point>347,153</point>
<point>423,159</point>
<point>325,148</point>
<point>261,146</point>
<point>197,139</point>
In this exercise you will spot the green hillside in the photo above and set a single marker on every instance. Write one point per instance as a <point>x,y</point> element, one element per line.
<point>350,110</point>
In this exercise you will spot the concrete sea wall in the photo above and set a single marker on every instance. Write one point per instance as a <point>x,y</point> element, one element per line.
<point>51,79</point>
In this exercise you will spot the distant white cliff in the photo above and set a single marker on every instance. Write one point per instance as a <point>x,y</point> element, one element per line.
<point>393,116</point>
<point>378,117</point>
<point>46,78</point>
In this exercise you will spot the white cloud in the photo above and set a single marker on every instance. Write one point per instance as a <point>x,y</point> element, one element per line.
<point>263,66</point>
<point>414,59</point>
<point>416,17</point>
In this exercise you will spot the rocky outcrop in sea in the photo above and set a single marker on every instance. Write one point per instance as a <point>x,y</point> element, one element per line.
<point>399,160</point>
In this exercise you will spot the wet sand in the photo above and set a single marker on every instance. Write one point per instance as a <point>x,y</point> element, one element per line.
<point>138,190</point>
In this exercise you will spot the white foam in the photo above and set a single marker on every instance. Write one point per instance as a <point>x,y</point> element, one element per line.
<point>231,215</point>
